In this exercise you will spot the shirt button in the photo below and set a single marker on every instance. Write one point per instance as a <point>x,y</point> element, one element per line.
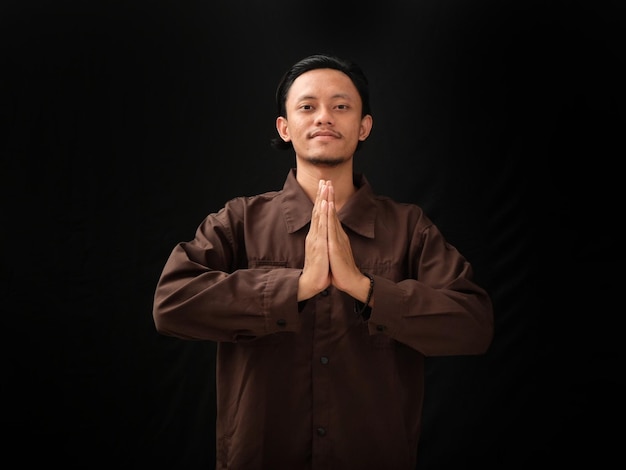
<point>380,327</point>
<point>281,322</point>
<point>324,360</point>
<point>325,292</point>
<point>321,431</point>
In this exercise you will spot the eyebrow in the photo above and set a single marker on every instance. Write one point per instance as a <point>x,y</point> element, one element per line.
<point>337,95</point>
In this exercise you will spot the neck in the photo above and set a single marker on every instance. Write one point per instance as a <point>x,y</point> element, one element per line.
<point>308,176</point>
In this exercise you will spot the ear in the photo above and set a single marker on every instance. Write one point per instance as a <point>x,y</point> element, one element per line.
<point>366,127</point>
<point>282,128</point>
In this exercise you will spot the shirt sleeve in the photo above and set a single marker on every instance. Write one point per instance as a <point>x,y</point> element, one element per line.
<point>202,293</point>
<point>443,311</point>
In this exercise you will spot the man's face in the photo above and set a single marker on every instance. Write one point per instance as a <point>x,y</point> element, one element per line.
<point>323,120</point>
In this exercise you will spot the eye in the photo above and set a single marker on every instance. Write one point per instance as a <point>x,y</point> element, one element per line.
<point>342,106</point>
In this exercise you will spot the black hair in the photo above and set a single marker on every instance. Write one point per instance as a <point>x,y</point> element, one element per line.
<point>319,61</point>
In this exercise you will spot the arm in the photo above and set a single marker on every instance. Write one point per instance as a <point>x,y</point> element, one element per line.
<point>442,312</point>
<point>205,292</point>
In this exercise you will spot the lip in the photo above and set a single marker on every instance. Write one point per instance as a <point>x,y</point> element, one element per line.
<point>325,133</point>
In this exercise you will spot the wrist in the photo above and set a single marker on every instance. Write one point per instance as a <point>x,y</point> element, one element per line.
<point>370,288</point>
<point>361,307</point>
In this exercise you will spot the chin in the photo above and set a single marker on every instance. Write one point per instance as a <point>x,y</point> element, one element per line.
<point>327,161</point>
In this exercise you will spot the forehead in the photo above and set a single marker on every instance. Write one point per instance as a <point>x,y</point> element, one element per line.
<point>323,83</point>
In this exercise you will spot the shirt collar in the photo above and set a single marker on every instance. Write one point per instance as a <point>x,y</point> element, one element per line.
<point>358,214</point>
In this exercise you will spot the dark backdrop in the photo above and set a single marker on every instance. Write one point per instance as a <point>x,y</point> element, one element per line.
<point>125,123</point>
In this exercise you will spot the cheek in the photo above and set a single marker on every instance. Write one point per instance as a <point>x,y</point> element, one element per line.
<point>296,131</point>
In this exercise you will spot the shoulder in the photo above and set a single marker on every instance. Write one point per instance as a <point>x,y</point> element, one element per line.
<point>387,205</point>
<point>241,205</point>
<point>401,217</point>
<point>244,201</point>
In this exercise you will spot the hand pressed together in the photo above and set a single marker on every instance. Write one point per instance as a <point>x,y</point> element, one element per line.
<point>328,258</point>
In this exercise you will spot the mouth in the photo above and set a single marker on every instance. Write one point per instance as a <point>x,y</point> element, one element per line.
<point>325,134</point>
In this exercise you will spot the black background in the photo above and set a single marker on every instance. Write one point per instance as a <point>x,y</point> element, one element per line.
<point>125,123</point>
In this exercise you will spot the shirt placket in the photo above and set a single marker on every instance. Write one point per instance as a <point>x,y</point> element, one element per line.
<point>322,432</point>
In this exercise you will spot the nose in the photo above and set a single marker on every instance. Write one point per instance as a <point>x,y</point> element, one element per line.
<point>324,116</point>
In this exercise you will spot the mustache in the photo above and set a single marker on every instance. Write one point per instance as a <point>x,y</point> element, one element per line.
<point>328,132</point>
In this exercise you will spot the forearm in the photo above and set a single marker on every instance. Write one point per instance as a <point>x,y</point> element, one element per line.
<point>217,306</point>
<point>436,322</point>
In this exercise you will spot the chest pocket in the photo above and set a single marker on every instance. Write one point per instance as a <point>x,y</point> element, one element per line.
<point>266,264</point>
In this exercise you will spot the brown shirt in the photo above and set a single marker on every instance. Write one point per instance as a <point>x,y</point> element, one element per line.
<point>315,385</point>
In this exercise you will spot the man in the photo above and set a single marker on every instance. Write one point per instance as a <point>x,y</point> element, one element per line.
<point>323,298</point>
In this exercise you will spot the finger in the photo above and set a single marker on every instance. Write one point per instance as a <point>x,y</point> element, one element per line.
<point>320,185</point>
<point>331,217</point>
<point>330,196</point>
<point>319,197</point>
<point>331,191</point>
<point>323,219</point>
